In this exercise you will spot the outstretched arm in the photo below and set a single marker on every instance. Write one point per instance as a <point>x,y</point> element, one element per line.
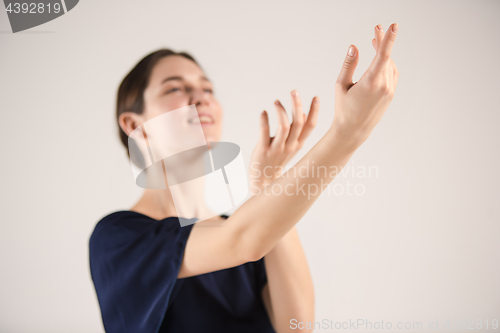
<point>289,293</point>
<point>255,228</point>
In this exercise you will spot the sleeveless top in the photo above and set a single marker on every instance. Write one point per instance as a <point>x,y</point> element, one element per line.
<point>134,264</point>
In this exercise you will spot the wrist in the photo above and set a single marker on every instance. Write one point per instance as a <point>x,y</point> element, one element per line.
<point>343,137</point>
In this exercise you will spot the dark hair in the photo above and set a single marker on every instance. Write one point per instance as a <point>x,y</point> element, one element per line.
<point>131,90</point>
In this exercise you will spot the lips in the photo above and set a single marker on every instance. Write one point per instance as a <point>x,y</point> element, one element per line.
<point>203,119</point>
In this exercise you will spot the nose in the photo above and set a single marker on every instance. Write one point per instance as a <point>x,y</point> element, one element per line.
<point>198,97</point>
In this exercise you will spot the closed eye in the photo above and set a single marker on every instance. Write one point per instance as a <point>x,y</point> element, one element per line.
<point>173,90</point>
<point>179,89</point>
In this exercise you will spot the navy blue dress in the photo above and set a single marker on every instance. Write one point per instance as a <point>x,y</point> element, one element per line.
<point>134,263</point>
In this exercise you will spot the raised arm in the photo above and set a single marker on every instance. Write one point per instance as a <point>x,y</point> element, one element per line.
<point>257,226</point>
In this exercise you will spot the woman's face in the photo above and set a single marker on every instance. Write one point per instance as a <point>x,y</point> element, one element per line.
<point>176,82</point>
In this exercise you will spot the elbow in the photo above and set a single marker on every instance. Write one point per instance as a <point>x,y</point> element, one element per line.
<point>250,254</point>
<point>248,246</point>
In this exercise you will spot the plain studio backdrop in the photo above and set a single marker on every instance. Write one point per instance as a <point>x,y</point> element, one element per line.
<point>417,242</point>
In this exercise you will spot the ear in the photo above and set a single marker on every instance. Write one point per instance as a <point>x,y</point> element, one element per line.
<point>129,121</point>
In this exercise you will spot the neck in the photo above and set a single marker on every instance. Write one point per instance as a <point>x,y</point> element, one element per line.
<point>181,200</point>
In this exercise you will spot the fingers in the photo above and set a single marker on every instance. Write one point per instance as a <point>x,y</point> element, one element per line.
<point>290,138</point>
<point>384,51</point>
<point>379,36</point>
<point>344,79</point>
<point>279,140</point>
<point>298,118</point>
<point>264,138</point>
<point>311,121</point>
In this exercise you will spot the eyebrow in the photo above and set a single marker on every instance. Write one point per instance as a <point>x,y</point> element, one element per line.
<point>181,79</point>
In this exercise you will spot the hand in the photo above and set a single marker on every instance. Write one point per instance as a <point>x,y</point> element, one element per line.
<point>360,106</point>
<point>271,155</point>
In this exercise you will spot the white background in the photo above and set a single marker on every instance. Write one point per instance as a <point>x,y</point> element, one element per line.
<point>421,243</point>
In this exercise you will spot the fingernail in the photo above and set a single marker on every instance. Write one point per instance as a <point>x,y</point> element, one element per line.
<point>379,27</point>
<point>264,112</point>
<point>294,93</point>
<point>276,102</point>
<point>316,99</point>
<point>350,53</point>
<point>395,28</point>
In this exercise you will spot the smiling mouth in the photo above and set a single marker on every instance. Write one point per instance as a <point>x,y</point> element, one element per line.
<point>202,119</point>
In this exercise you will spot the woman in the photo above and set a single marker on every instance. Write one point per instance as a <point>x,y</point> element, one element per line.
<point>242,273</point>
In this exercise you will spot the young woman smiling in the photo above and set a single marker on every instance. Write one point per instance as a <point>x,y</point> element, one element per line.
<point>241,273</point>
